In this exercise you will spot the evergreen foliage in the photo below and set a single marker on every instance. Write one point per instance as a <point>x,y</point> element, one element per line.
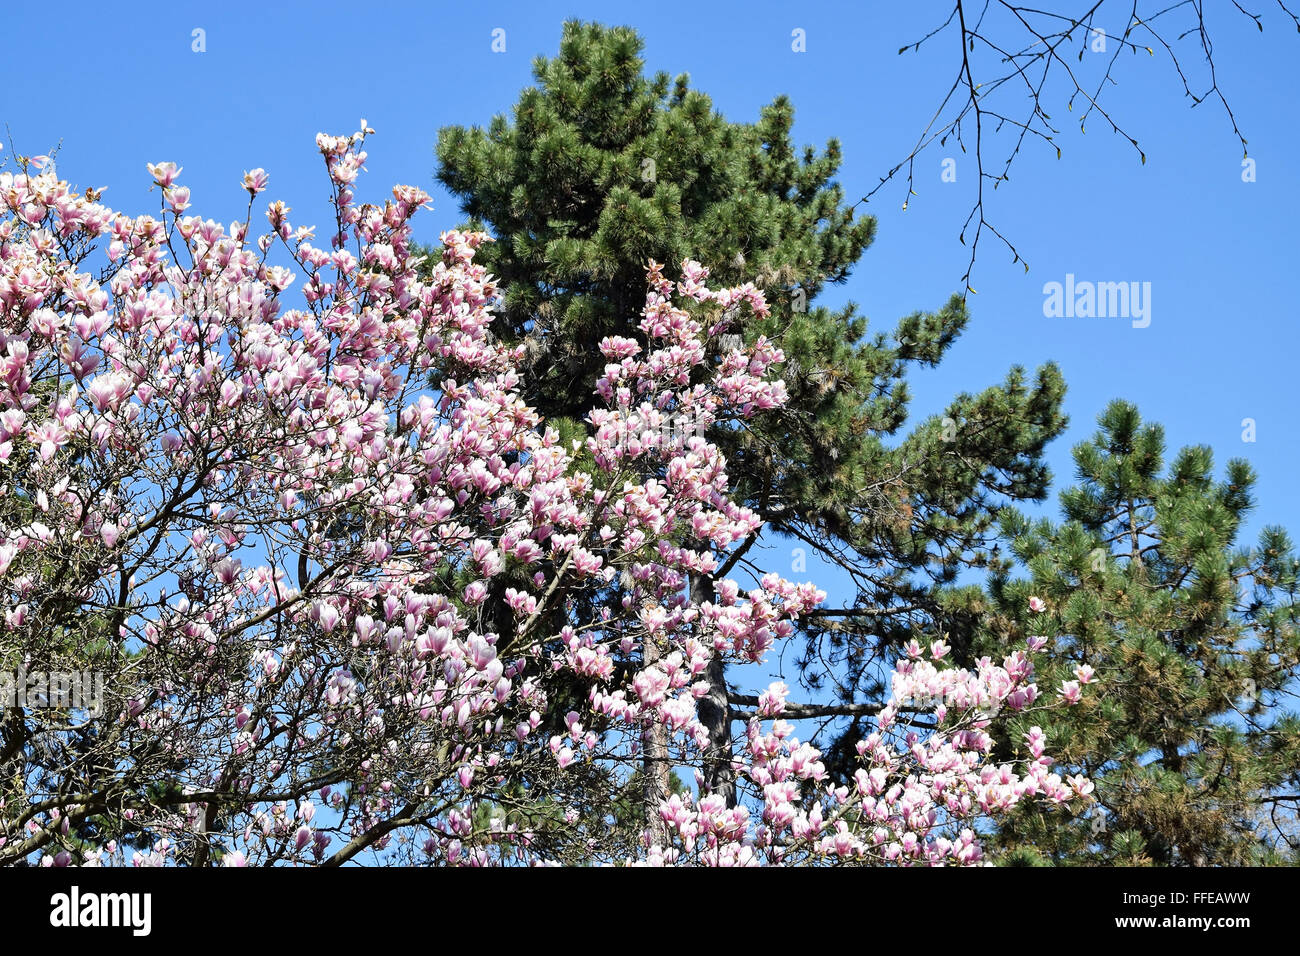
<point>1189,735</point>
<point>600,168</point>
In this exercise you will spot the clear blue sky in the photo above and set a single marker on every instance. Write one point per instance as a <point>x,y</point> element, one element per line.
<point>121,87</point>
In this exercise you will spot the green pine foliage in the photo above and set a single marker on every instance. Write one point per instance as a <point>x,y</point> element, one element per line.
<point>599,168</point>
<point>1188,733</point>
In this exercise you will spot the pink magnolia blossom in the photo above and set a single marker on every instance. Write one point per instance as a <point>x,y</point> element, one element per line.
<point>338,542</point>
<point>255,181</point>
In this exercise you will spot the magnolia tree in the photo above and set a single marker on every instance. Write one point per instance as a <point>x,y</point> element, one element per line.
<point>328,566</point>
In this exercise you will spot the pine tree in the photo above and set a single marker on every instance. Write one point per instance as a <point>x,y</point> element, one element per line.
<point>601,168</point>
<point>1195,757</point>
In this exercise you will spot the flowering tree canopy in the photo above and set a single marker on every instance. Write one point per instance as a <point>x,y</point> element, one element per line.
<point>349,594</point>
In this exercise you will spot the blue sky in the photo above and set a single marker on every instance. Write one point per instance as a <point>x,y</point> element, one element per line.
<point>125,89</point>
